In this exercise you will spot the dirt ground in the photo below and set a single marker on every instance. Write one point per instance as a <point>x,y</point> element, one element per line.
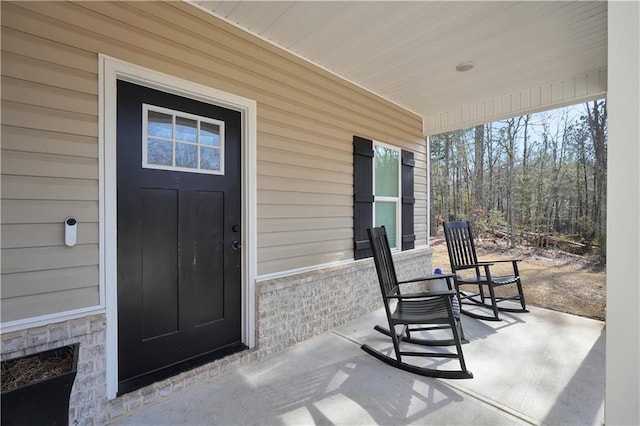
<point>551,279</point>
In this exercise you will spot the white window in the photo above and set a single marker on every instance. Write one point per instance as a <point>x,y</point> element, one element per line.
<point>387,191</point>
<point>179,141</point>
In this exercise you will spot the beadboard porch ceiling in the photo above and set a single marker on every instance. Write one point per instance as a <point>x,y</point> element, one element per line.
<point>528,56</point>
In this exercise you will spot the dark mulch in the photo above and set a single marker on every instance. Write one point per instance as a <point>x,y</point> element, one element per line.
<point>18,372</point>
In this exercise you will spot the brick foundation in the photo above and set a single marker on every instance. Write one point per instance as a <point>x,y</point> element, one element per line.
<point>299,306</point>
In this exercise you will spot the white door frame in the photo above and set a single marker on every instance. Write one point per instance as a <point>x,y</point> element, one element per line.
<point>111,70</point>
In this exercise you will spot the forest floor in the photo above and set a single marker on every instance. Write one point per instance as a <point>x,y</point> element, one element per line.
<point>552,279</point>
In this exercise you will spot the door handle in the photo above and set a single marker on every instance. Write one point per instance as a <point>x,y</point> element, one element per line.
<point>236,245</point>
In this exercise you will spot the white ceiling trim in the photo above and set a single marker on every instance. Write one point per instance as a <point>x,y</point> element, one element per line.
<point>555,94</point>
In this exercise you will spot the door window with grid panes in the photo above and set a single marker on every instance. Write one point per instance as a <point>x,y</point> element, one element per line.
<point>179,141</point>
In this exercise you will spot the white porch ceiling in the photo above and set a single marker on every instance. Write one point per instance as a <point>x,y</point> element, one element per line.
<point>528,56</point>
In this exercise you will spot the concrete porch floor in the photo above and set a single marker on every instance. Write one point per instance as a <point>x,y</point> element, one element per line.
<point>541,367</point>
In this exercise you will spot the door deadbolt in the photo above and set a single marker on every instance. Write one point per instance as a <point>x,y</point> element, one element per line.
<point>236,245</point>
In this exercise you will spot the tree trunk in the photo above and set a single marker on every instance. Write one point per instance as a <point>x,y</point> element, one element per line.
<point>597,116</point>
<point>477,204</point>
<point>513,127</point>
<point>525,207</point>
<point>446,208</point>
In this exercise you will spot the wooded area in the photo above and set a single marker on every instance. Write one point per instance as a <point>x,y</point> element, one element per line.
<point>538,179</point>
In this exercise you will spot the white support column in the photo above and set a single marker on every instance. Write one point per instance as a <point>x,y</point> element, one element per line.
<point>622,400</point>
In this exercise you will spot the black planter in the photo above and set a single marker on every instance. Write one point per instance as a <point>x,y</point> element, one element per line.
<point>44,402</point>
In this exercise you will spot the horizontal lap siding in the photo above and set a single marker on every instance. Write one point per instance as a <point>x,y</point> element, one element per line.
<point>28,283</point>
<point>49,171</point>
<point>20,139</point>
<point>306,120</point>
<point>44,234</point>
<point>61,301</point>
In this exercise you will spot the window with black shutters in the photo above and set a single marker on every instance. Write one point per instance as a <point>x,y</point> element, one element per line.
<point>383,194</point>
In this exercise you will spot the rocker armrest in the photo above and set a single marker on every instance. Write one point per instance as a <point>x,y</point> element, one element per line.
<point>473,265</point>
<point>500,261</point>
<point>427,278</point>
<point>423,295</point>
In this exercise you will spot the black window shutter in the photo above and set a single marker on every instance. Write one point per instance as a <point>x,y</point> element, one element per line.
<point>408,201</point>
<point>362,195</point>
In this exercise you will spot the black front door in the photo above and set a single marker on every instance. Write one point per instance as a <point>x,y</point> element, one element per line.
<point>178,231</point>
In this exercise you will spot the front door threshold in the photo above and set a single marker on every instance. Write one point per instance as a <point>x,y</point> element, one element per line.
<point>143,380</point>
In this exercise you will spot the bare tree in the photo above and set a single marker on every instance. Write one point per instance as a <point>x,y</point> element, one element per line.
<point>477,203</point>
<point>597,119</point>
<point>509,144</point>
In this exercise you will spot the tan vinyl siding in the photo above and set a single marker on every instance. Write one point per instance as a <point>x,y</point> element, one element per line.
<point>49,281</point>
<point>44,213</point>
<point>51,302</point>
<point>45,258</point>
<point>38,141</point>
<point>39,188</point>
<point>44,235</point>
<point>59,166</point>
<point>49,172</point>
<point>306,120</point>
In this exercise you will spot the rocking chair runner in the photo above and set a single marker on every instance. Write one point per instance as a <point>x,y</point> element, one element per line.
<point>415,312</point>
<point>462,256</point>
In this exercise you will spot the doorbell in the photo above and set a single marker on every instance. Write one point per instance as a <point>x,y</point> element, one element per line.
<point>70,231</point>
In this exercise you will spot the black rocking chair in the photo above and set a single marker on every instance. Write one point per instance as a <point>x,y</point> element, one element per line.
<point>415,312</point>
<point>462,256</point>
